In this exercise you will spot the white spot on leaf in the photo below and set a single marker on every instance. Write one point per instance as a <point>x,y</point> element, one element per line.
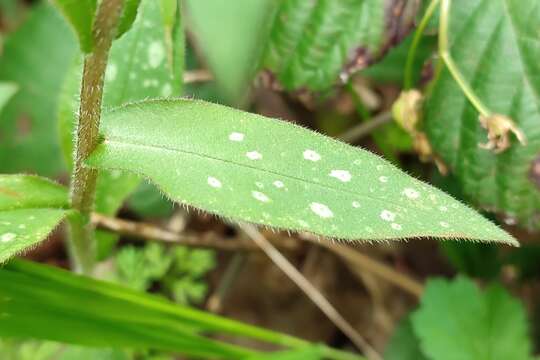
<point>7,237</point>
<point>260,196</point>
<point>387,215</point>
<point>396,226</point>
<point>444,224</point>
<point>156,54</point>
<point>383,179</point>
<point>355,204</point>
<point>111,72</point>
<point>236,136</point>
<point>279,184</point>
<point>311,155</point>
<point>213,182</point>
<point>321,210</point>
<point>342,175</point>
<point>411,193</point>
<point>254,155</point>
<point>166,91</point>
<point>443,208</point>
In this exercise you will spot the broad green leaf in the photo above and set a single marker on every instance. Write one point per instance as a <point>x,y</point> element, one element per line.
<point>7,90</point>
<point>495,44</point>
<point>52,304</point>
<point>30,208</point>
<point>313,42</point>
<point>457,321</point>
<point>80,14</point>
<point>251,168</point>
<point>27,123</point>
<point>231,36</point>
<point>129,13</point>
<point>404,345</point>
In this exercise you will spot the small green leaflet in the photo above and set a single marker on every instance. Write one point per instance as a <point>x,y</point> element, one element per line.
<point>129,13</point>
<point>247,167</point>
<point>30,208</point>
<point>457,321</point>
<point>80,14</point>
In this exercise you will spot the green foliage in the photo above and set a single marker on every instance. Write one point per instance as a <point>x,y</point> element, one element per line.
<point>251,168</point>
<point>231,47</point>
<point>7,90</point>
<point>178,270</point>
<point>457,321</point>
<point>493,45</point>
<point>404,345</point>
<point>80,14</point>
<point>27,122</point>
<point>313,42</point>
<point>30,208</point>
<point>52,304</point>
<point>129,13</point>
<point>46,350</point>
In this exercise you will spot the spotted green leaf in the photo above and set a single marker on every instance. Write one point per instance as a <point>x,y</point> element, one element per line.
<point>247,167</point>
<point>458,321</point>
<point>312,43</point>
<point>495,43</point>
<point>7,90</point>
<point>30,208</point>
<point>80,14</point>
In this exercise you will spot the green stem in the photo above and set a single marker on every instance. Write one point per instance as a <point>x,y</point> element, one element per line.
<point>451,65</point>
<point>411,56</point>
<point>83,183</point>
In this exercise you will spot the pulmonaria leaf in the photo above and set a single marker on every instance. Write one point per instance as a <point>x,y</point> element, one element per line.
<point>80,14</point>
<point>247,167</point>
<point>495,44</point>
<point>313,43</point>
<point>30,208</point>
<point>457,321</point>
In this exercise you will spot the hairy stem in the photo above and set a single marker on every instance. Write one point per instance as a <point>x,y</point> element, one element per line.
<point>451,65</point>
<point>408,81</point>
<point>83,183</point>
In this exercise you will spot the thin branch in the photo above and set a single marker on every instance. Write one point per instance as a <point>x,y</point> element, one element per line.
<point>315,295</point>
<point>365,128</point>
<point>375,267</point>
<point>151,232</point>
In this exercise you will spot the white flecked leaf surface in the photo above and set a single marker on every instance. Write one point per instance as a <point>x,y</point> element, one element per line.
<point>251,168</point>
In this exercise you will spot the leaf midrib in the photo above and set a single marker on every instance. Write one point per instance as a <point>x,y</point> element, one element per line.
<point>128,142</point>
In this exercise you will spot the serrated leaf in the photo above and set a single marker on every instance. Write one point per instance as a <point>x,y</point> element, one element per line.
<point>80,14</point>
<point>30,208</point>
<point>231,35</point>
<point>29,141</point>
<point>247,167</point>
<point>312,41</point>
<point>457,321</point>
<point>495,44</point>
<point>46,303</point>
<point>7,90</point>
